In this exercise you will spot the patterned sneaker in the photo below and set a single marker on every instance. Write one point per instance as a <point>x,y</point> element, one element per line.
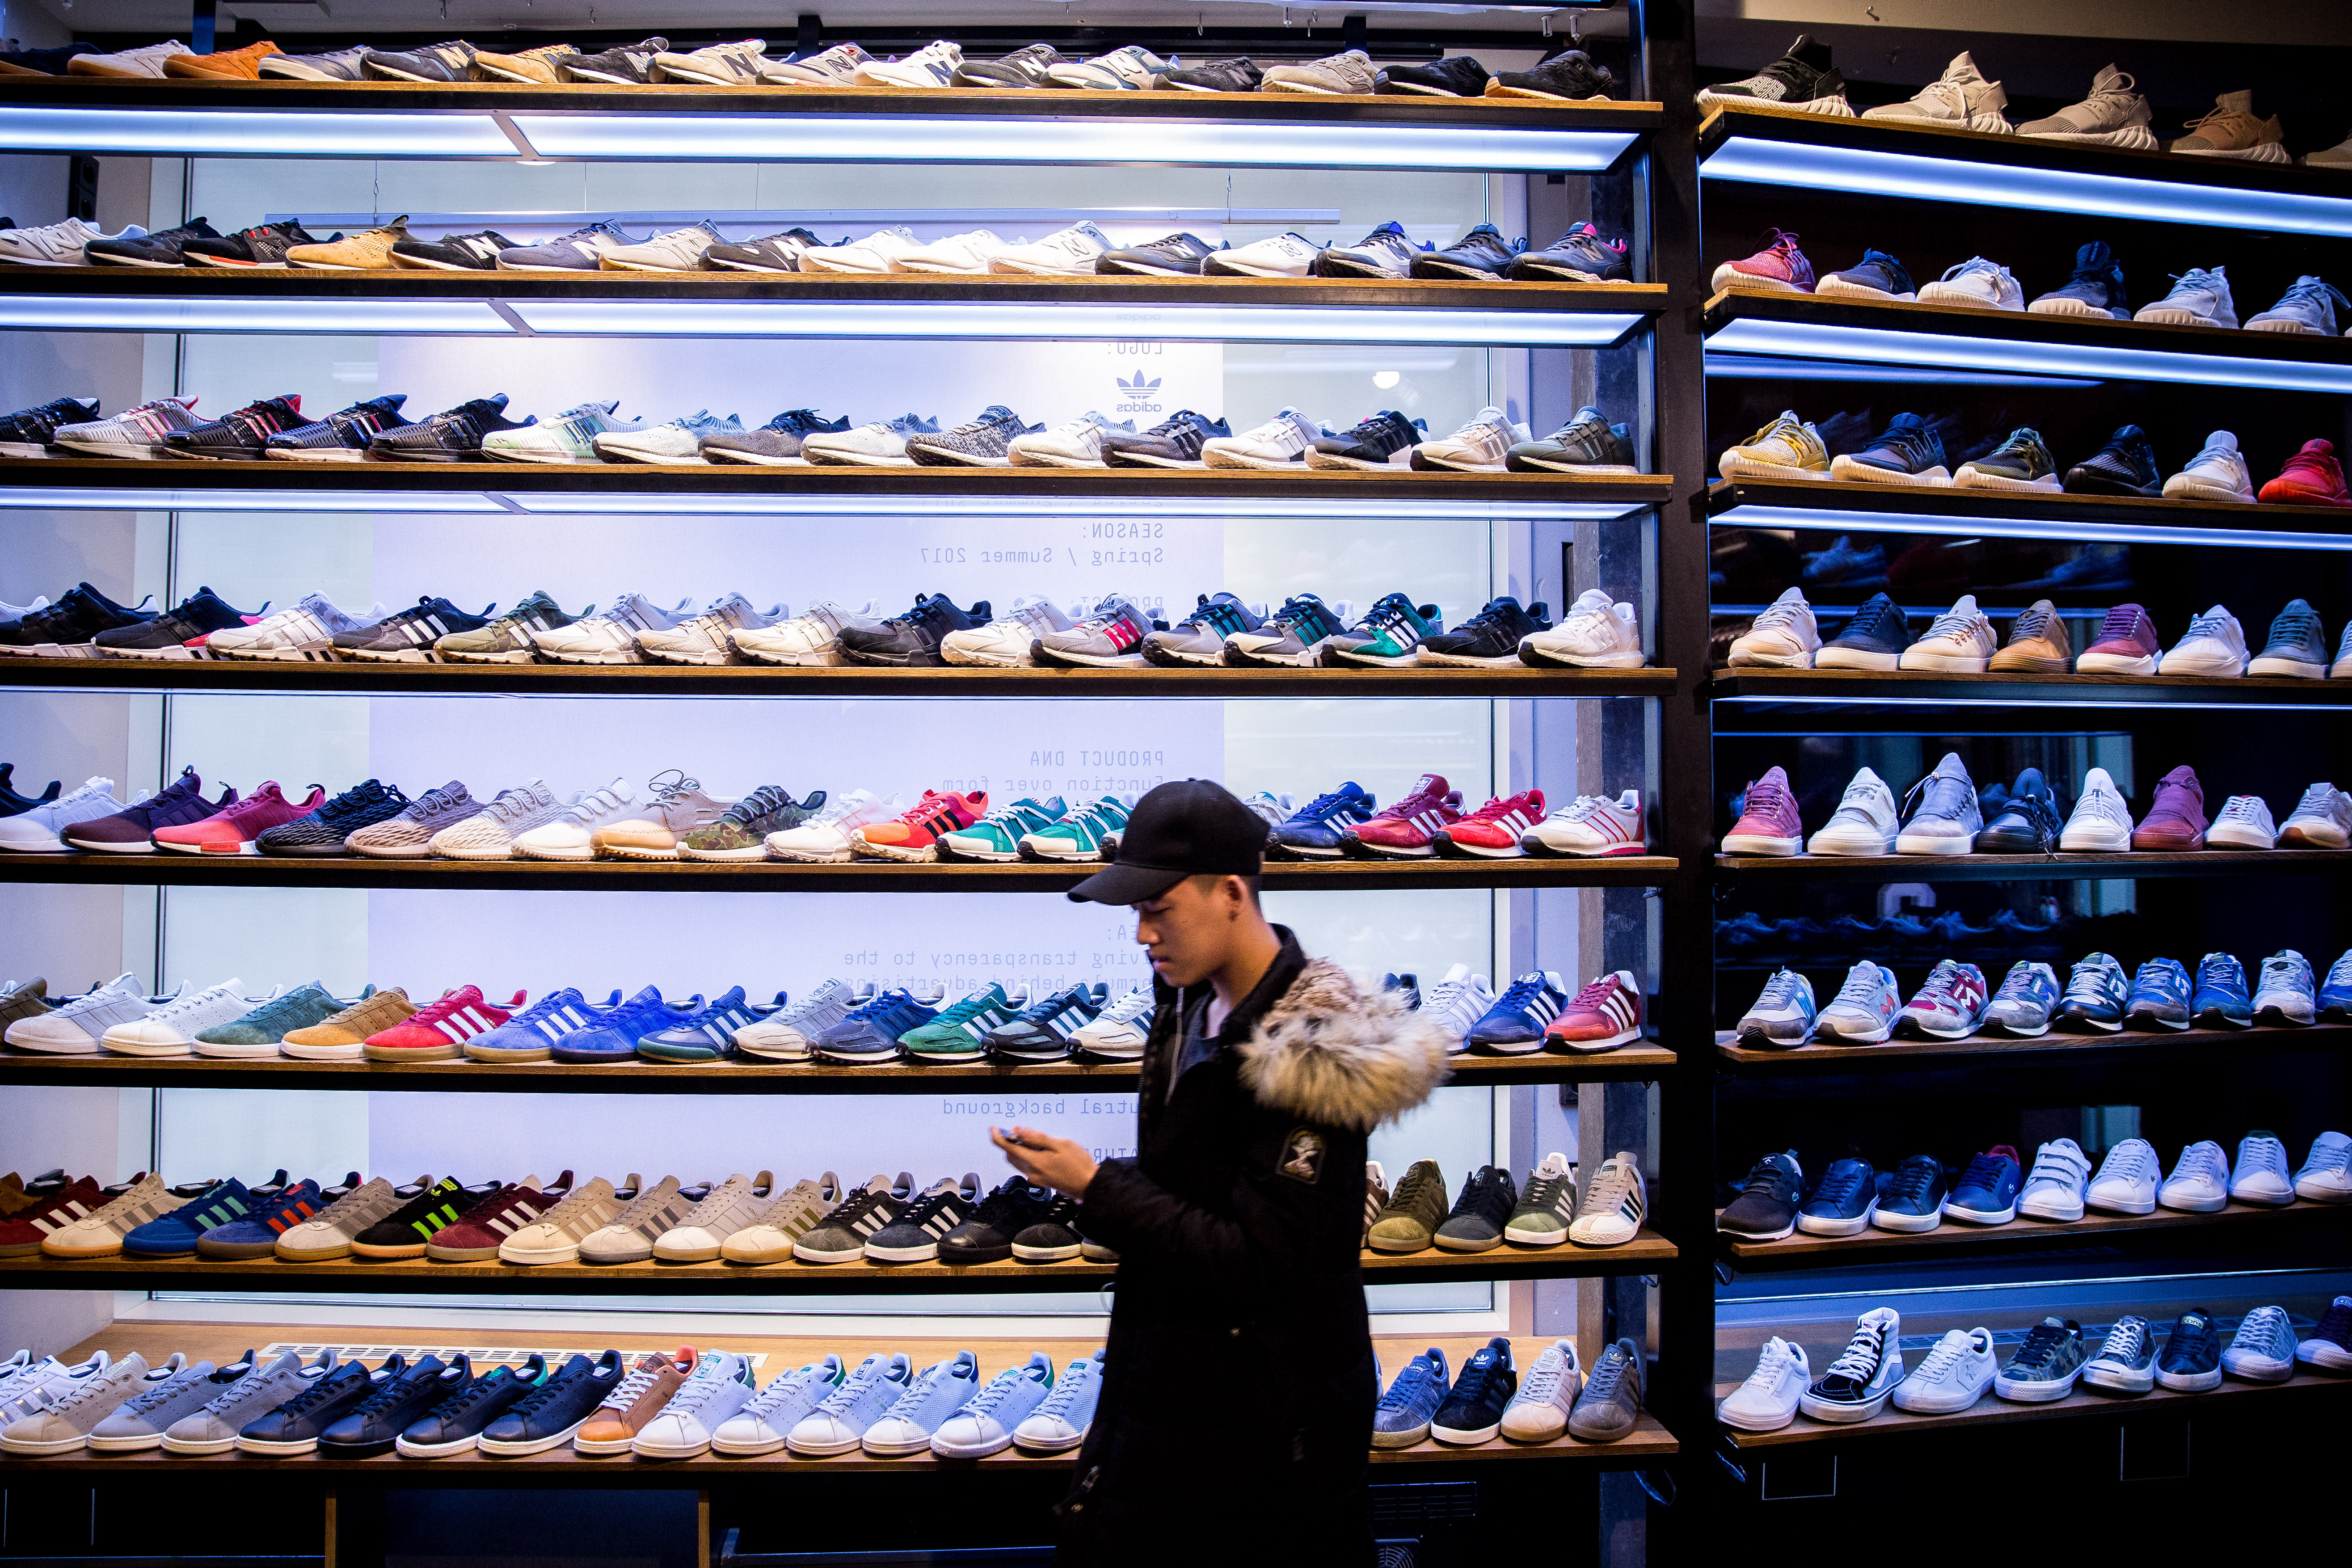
<point>1478,448</point>
<point>1596,632</point>
<point>568,438</point>
<point>405,836</point>
<point>571,836</point>
<point>911,639</point>
<point>1496,831</point>
<point>2219,472</point>
<point>341,437</point>
<point>1199,639</point>
<point>1388,637</point>
<point>232,829</point>
<point>1120,1032</point>
<point>29,432</point>
<point>323,831</point>
<point>1373,445</point>
<point>984,441</point>
<point>1587,443</point>
<point>1174,442</point>
<point>812,638</point>
<point>490,834</point>
<point>137,432</point>
<point>452,435</point>
<point>997,836</point>
<point>1909,452</point>
<point>1787,449</point>
<point>1489,639</point>
<point>1293,637</point>
<point>239,435</point>
<point>1482,255</point>
<point>915,834</point>
<point>1279,443</point>
<point>676,440</point>
<point>1082,832</point>
<point>2126,466</point>
<point>742,832</point>
<point>2021,462</point>
<point>826,836</point>
<point>1948,1005</point>
<point>408,637</point>
<point>1592,824</point>
<point>1110,636</point>
<point>1043,1030</point>
<point>1580,255</point>
<point>776,444</point>
<point>1386,252</point>
<point>1779,269</point>
<point>1407,828</point>
<point>1801,80</point>
<point>508,639</point>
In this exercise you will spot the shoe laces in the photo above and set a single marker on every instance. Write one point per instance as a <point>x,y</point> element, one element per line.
<point>514,805</point>
<point>1593,994</point>
<point>1414,1186</point>
<point>1610,1185</point>
<point>1864,1353</point>
<point>1130,1007</point>
<point>2262,1331</point>
<point>1842,1182</point>
<point>2123,624</point>
<point>1986,1169</point>
<point>1764,1180</point>
<point>1499,614</point>
<point>2298,623</point>
<point>2024,440</point>
<point>2092,981</point>
<point>546,1394</point>
<point>1496,809</point>
<point>1862,989</point>
<point>1585,807</point>
<point>1523,992</point>
<point>1914,1179</point>
<point>2019,984</point>
<point>998,1391</point>
<point>1476,1374</point>
<point>1447,994</point>
<point>2196,280</point>
<point>2286,969</point>
<point>1943,1357</point>
<point>2336,1323</point>
<point>1976,265</point>
<point>1324,806</point>
<point>1769,796</point>
<point>1608,1373</point>
<point>1956,625</point>
<point>1541,1385</point>
<point>1778,613</point>
<point>2226,122</point>
<point>1068,1389</point>
<point>2035,623</point>
<point>441,1007</point>
<point>2245,808</point>
<point>2204,1160</point>
<point>329,1384</point>
<point>698,1390</point>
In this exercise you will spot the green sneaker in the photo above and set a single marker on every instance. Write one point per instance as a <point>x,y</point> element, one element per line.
<point>1083,834</point>
<point>506,640</point>
<point>742,831</point>
<point>258,1033</point>
<point>1414,1211</point>
<point>1389,636</point>
<point>998,836</point>
<point>955,1035</point>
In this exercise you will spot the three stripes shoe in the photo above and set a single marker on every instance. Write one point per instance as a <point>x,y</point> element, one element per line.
<point>1110,636</point>
<point>997,836</point>
<point>100,1233</point>
<point>1042,1031</point>
<point>914,1236</point>
<point>1603,1016</point>
<point>1408,829</point>
<point>134,433</point>
<point>1200,637</point>
<point>507,639</point>
<point>1388,638</point>
<point>302,632</point>
<point>1494,831</point>
<point>1083,832</point>
<point>1515,1024</point>
<point>914,834</point>
<point>556,1234</point>
<point>407,636</point>
<point>631,1234</point>
<point>452,435</point>
<point>241,434</point>
<point>404,1232</point>
<point>329,1235</point>
<point>174,1234</point>
<point>960,1031</point>
<point>568,438</point>
<point>439,1031</point>
<point>1292,637</point>
<point>478,1233</point>
<point>709,1035</point>
<point>256,1235</point>
<point>1614,1203</point>
<point>28,432</point>
<point>531,1035</point>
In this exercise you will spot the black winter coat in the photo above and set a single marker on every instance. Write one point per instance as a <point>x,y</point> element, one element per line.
<point>1239,1380</point>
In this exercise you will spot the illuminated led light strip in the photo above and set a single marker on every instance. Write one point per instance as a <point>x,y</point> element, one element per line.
<point>54,498</point>
<point>1874,173</point>
<point>87,313</point>
<point>1089,322</point>
<point>2090,530</point>
<point>1746,367</point>
<point>2058,701</point>
<point>859,138</point>
<point>1808,340</point>
<point>288,133</point>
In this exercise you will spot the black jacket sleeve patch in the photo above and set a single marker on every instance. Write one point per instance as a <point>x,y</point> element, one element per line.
<point>1302,1156</point>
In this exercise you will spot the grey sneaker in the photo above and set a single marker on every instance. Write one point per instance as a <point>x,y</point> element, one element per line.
<point>658,1210</point>
<point>1348,73</point>
<point>328,1234</point>
<point>2308,306</point>
<point>1110,635</point>
<point>1022,68</point>
<point>452,61</point>
<point>1200,637</point>
<point>679,808</point>
<point>1294,636</point>
<point>404,837</point>
<point>336,65</point>
<point>213,1428</point>
<point>632,65</point>
<point>984,442</point>
<point>506,640</point>
<point>1611,1400</point>
<point>1948,818</point>
<point>775,444</point>
<point>63,1423</point>
<point>138,1422</point>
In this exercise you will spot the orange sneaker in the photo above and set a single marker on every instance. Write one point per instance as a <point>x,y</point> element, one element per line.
<point>228,65</point>
<point>915,834</point>
<point>367,252</point>
<point>2311,478</point>
<point>613,1425</point>
<point>2037,642</point>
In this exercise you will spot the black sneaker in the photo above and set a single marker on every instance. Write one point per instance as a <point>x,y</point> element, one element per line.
<point>988,1236</point>
<point>14,804</point>
<point>1766,1208</point>
<point>1801,78</point>
<point>322,832</point>
<point>1487,1198</point>
<point>239,435</point>
<point>452,1427</point>
<point>1570,73</point>
<point>2028,822</point>
<point>265,245</point>
<point>452,61</point>
<point>72,623</point>
<point>42,62</point>
<point>1216,76</point>
<point>296,1426</point>
<point>404,1232</point>
<point>840,1236</point>
<point>161,248</point>
<point>1175,256</point>
<point>1042,1032</point>
<point>2126,466</point>
<point>1587,443</point>
<point>408,637</point>
<point>776,442</point>
<point>1173,443</point>
<point>983,441</point>
<point>341,437</point>
<point>1371,443</point>
<point>914,1236</point>
<point>1058,1237</point>
<point>1473,1411</point>
<point>1460,77</point>
<point>392,1409</point>
<point>477,252</point>
<point>632,65</point>
<point>452,435</point>
<point>27,432</point>
<point>769,253</point>
<point>200,614</point>
<point>1580,255</point>
<point>1482,253</point>
<point>912,638</point>
<point>1489,639</point>
<point>1022,68</point>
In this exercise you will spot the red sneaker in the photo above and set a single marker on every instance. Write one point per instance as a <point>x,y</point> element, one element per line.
<point>1780,269</point>
<point>474,1236</point>
<point>1768,822</point>
<point>915,836</point>
<point>1405,831</point>
<point>2311,478</point>
<point>1601,1018</point>
<point>2175,818</point>
<point>21,1233</point>
<point>439,1031</point>
<point>1493,831</point>
<point>233,830</point>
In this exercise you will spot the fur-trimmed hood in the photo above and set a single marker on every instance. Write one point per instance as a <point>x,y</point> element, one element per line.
<point>1336,1051</point>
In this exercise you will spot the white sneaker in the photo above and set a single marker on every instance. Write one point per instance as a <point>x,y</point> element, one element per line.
<point>811,638</point>
<point>1596,633</point>
<point>2322,819</point>
<point>2217,473</point>
<point>610,637</point>
<point>75,1028</point>
<point>679,250</point>
<point>706,639</point>
<point>1284,255</point>
<point>2244,822</point>
<point>41,831</point>
<point>1768,1400</point>
<point>1475,448</point>
<point>1783,1014</point>
<point>1864,1008</point>
<point>836,67</point>
<point>2200,298</point>
<point>2054,1188</point>
<point>2101,821</point>
<point>1976,282</point>
<point>1456,1002</point>
<point>134,433</point>
<point>307,631</point>
<point>1132,68</point>
<point>147,62</point>
<point>1119,1031</point>
<point>1592,824</point>
<point>2263,1349</point>
<point>787,1036</point>
<point>2126,1181</point>
<point>2112,116</point>
<point>1067,253</point>
<point>2326,1173</point>
<point>1785,636</point>
<point>963,255</point>
<point>55,244</point>
<point>1004,643</point>
<point>490,834</point>
<point>1613,1205</point>
<point>2215,644</point>
<point>1961,640</point>
<point>1077,445</point>
<point>881,444</point>
<point>2261,1176</point>
<point>2199,1183</point>
<point>738,64</point>
<point>878,252</point>
<point>734,1204</point>
<point>1280,443</point>
<point>572,835</point>
<point>927,69</point>
<point>825,836</point>
<point>172,1028</point>
<point>1960,100</point>
<point>1864,822</point>
<point>1955,1375</point>
<point>568,438</point>
<point>676,440</point>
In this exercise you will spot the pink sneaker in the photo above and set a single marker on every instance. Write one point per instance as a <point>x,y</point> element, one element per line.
<point>1779,269</point>
<point>2126,645</point>
<point>1407,830</point>
<point>1768,824</point>
<point>233,831</point>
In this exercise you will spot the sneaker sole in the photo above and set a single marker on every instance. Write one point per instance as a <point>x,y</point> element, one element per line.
<point>2071,308</point>
<point>1851,471</point>
<point>1967,477</point>
<point>722,455</point>
<point>1837,288</point>
<point>1222,459</point>
<point>1732,465</point>
<point>2157,315</point>
<point>1518,463</point>
<point>1836,106</point>
<point>1055,460</point>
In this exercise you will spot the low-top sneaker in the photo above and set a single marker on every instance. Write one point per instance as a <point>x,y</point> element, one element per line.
<point>2322,819</point>
<point>1787,448</point>
<point>1175,442</point>
<point>2264,1348</point>
<point>2047,1365</point>
<point>1280,256</point>
<point>1456,76</point>
<point>1587,443</point>
<point>2160,996</point>
<point>1985,285</point>
<point>2023,1006</point>
<point>812,638</point>
<point>1779,267</point>
<point>2199,1182</point>
<point>2021,462</point>
<point>1236,75</point>
<point>1482,254</point>
<point>1382,442</point>
<point>408,637</point>
<point>1960,640</point>
<point>2310,478</point>
<point>2175,818</point>
<point>778,252</point>
<point>2027,821</point>
<point>1067,253</point>
<point>1386,252</point>
<point>1875,639</point>
<point>1946,815</point>
<point>1785,636</point>
<point>1282,442</point>
<point>1598,631</point>
<point>1570,74</point>
<point>1109,635</point>
<point>1948,1006</point>
<point>1877,276</point>
<point>2094,997</point>
<point>1909,451</point>
<point>452,435</point>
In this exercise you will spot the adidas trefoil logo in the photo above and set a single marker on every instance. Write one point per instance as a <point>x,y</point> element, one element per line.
<point>1134,394</point>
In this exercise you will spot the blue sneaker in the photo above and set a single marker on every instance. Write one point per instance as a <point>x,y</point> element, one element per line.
<point>455,1424</point>
<point>1403,1418</point>
<point>1844,1201</point>
<point>2221,1000</point>
<point>937,1391</point>
<point>174,1234</point>
<point>1908,452</point>
<point>709,1035</point>
<point>2022,1006</point>
<point>1911,1198</point>
<point>2160,996</point>
<point>581,250</point>
<point>1318,831</point>
<point>870,1034</point>
<point>256,1235</point>
<point>2297,645</point>
<point>2095,290</point>
<point>530,1036</point>
<point>1060,1424</point>
<point>613,1037</point>
<point>2309,305</point>
<point>2096,995</point>
<point>2335,991</point>
<point>1873,640</point>
<point>1515,1024</point>
<point>2191,1361</point>
<point>1987,1191</point>
<point>1877,276</point>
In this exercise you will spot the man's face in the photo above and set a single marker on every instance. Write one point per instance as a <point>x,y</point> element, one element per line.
<point>1186,930</point>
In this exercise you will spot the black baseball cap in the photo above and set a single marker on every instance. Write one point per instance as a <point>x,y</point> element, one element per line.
<point>1188,827</point>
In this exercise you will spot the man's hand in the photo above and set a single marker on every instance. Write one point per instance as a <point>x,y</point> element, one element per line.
<point>1048,1161</point>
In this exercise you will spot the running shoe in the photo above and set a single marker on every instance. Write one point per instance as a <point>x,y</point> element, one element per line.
<point>2096,288</point>
<point>1601,1017</point>
<point>707,1034</point>
<point>1043,1030</point>
<point>1389,636</point>
<point>239,434</point>
<point>1170,255</point>
<point>1294,636</point>
<point>911,639</point>
<point>1779,267</point>
<point>1496,831</point>
<point>2113,115</point>
<point>1587,443</point>
<point>778,252</point>
<point>1086,832</point>
<point>1379,443</point>
<point>178,633</point>
<point>1175,442</point>
<point>1802,80</point>
<point>1908,452</point>
<point>959,1032</point>
<point>28,432</point>
<point>1318,831</point>
<point>609,637</point>
<point>1386,252</point>
<point>1591,825</point>
<point>1110,635</point>
<point>410,636</point>
<point>1787,448</point>
<point>323,831</point>
<point>1481,255</point>
<point>1877,276</point>
<point>828,836</point>
<point>2311,477</point>
<point>476,252</point>
<point>915,834</point>
<point>137,433</point>
<point>2160,996</point>
<point>581,250</point>
<point>1580,255</point>
<point>2021,462</point>
<point>1597,632</point>
<point>1120,1032</point>
<point>343,436</point>
<point>1572,74</point>
<point>984,441</point>
<point>1279,443</point>
<point>1199,639</point>
<point>165,247</point>
<point>1478,448</point>
<point>261,247</point>
<point>1407,828</point>
<point>812,638</point>
<point>306,631</point>
<point>1489,639</point>
<point>507,639</point>
<point>452,435</point>
<point>567,437</point>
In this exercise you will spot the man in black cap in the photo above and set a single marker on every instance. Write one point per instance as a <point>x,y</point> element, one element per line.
<point>1239,1383</point>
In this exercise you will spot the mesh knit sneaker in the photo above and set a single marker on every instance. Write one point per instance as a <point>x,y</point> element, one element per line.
<point>307,631</point>
<point>1801,79</point>
<point>2200,298</point>
<point>1199,639</point>
<point>914,834</point>
<point>2021,462</point>
<point>1908,452</point>
<point>1787,449</point>
<point>131,830</point>
<point>137,432</point>
<point>1389,636</point>
<point>1768,822</point>
<point>1572,74</point>
<point>1081,832</point>
<point>178,633</point>
<point>1594,632</point>
<point>2095,290</point>
<point>232,831</point>
<point>1174,442</point>
<point>1378,444</point>
<point>571,835</point>
<point>239,435</point>
<point>2311,478</point>
<point>29,432</point>
<point>1960,99</point>
<point>408,834</point>
<point>984,441</point>
<point>1294,636</point>
<point>2230,129</point>
<point>1478,448</point>
<point>2308,306</point>
<point>1587,443</point>
<point>1110,635</point>
<point>2217,473</point>
<point>776,444</point>
<point>997,836</point>
<point>1985,285</point>
<point>2112,116</point>
<point>1386,252</point>
<point>1877,276</point>
<point>1481,255</point>
<point>1779,269</point>
<point>1489,639</point>
<point>2126,466</point>
<point>490,834</point>
<point>410,636</point>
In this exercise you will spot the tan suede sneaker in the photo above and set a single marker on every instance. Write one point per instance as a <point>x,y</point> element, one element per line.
<point>614,1424</point>
<point>338,1038</point>
<point>367,252</point>
<point>2037,642</point>
<point>229,65</point>
<point>531,64</point>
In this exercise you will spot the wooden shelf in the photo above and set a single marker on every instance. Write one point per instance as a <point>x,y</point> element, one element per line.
<point>778,877</point>
<point>1954,1238</point>
<point>1948,509</point>
<point>2169,691</point>
<point>1642,1255</point>
<point>2054,1050</point>
<point>849,681</point>
<point>743,1075</point>
<point>2064,867</point>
